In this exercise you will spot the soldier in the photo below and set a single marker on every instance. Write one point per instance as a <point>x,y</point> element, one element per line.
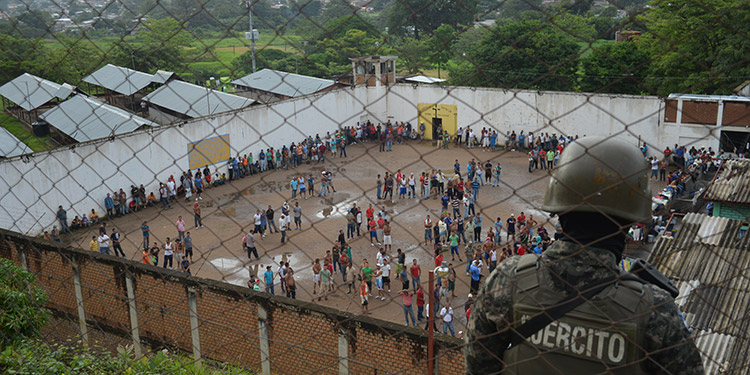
<point>610,321</point>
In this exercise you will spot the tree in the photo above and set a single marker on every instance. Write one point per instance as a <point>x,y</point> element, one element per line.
<point>412,54</point>
<point>514,8</point>
<point>440,45</point>
<point>413,17</point>
<point>22,302</point>
<point>22,55</point>
<point>696,49</point>
<point>161,45</point>
<point>617,68</point>
<point>525,54</point>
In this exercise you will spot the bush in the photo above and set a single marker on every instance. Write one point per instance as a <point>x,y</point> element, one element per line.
<point>37,357</point>
<point>22,311</point>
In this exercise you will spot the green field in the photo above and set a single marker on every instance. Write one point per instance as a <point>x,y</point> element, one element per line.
<point>21,132</point>
<point>214,54</point>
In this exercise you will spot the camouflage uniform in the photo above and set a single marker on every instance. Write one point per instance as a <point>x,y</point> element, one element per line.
<point>666,349</point>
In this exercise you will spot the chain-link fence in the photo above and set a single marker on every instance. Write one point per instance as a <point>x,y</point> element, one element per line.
<point>497,171</point>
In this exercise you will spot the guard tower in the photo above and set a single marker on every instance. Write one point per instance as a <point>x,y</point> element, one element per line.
<point>374,71</point>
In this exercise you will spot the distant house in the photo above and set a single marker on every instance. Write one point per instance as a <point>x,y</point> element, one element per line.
<point>125,87</point>
<point>626,35</point>
<point>83,118</point>
<point>268,85</point>
<point>178,100</point>
<point>730,190</point>
<point>27,96</point>
<point>11,146</point>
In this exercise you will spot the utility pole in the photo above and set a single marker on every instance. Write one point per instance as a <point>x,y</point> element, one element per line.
<point>252,32</point>
<point>431,325</point>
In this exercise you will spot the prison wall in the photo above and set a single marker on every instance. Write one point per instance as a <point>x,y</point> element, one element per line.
<point>111,302</point>
<point>78,177</point>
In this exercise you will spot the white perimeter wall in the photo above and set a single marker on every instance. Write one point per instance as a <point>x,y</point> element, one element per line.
<point>549,112</point>
<point>79,177</point>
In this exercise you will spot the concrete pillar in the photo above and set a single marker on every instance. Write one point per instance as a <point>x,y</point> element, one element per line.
<point>265,361</point>
<point>377,74</point>
<point>79,301</point>
<point>679,112</point>
<point>193,311</point>
<point>343,352</point>
<point>134,332</point>
<point>24,261</point>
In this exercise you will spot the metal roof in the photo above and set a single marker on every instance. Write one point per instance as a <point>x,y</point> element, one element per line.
<point>11,146</point>
<point>161,76</point>
<point>195,101</point>
<point>30,92</point>
<point>423,79</point>
<point>708,259</point>
<point>732,184</point>
<point>119,79</point>
<point>84,118</point>
<point>283,83</point>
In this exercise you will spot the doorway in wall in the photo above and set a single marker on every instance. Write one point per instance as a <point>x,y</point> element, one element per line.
<point>732,139</point>
<point>437,126</point>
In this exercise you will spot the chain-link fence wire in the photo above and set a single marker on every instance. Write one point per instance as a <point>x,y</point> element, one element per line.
<point>681,47</point>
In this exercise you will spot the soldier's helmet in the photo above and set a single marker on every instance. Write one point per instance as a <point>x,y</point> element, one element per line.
<point>604,175</point>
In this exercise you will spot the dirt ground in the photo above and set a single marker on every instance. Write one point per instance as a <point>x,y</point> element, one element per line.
<point>228,211</point>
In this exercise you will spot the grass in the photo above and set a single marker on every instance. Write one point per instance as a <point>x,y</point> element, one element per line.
<point>434,73</point>
<point>223,49</point>
<point>14,126</point>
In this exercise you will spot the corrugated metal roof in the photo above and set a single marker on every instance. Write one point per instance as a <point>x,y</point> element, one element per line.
<point>283,83</point>
<point>195,101</point>
<point>709,261</point>
<point>423,79</point>
<point>732,184</point>
<point>11,146</point>
<point>30,92</point>
<point>119,79</point>
<point>84,118</point>
<point>161,76</point>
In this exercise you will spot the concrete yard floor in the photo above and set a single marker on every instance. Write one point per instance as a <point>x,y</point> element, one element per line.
<point>228,211</point>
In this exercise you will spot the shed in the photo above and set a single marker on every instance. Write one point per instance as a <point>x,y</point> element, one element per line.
<point>730,190</point>
<point>270,85</point>
<point>709,262</point>
<point>179,100</point>
<point>124,87</point>
<point>83,118</point>
<point>27,95</point>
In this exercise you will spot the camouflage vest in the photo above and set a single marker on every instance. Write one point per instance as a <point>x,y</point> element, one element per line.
<point>604,335</point>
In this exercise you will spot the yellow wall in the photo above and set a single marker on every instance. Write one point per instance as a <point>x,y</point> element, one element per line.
<point>447,112</point>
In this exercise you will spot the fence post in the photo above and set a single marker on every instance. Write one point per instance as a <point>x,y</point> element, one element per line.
<point>79,301</point>
<point>343,352</point>
<point>133,316</point>
<point>193,311</point>
<point>265,361</point>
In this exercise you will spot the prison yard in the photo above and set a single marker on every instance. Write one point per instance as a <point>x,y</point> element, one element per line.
<point>228,210</point>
